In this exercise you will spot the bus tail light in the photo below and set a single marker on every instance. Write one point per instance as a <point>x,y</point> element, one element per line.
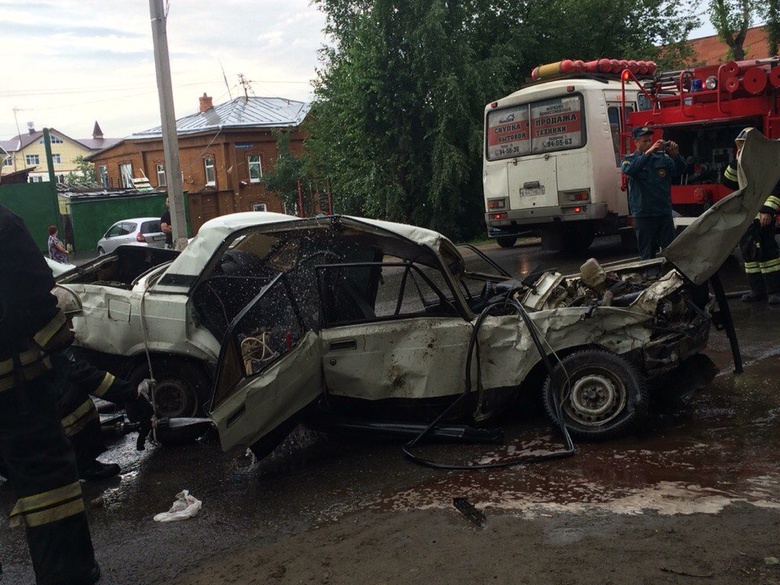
<point>496,204</point>
<point>498,216</point>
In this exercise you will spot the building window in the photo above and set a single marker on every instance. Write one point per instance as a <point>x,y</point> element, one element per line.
<point>126,173</point>
<point>56,159</point>
<point>259,207</point>
<point>8,161</point>
<point>211,175</point>
<point>255,168</point>
<point>32,159</point>
<point>103,176</point>
<point>36,179</point>
<point>161,175</point>
<point>53,139</point>
<point>61,179</point>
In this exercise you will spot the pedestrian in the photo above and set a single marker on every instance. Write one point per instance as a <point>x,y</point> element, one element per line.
<point>650,170</point>
<point>40,460</point>
<point>57,251</point>
<point>758,246</point>
<point>166,226</point>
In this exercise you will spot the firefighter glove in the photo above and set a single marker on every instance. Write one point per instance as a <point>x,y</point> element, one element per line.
<point>140,410</point>
<point>145,387</point>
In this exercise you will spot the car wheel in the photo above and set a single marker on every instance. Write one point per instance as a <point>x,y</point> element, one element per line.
<point>182,386</point>
<point>101,251</point>
<point>601,395</point>
<point>506,241</point>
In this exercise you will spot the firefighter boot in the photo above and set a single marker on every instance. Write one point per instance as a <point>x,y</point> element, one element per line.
<point>772,279</point>
<point>756,282</point>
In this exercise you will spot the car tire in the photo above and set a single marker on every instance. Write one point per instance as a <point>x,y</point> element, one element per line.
<point>506,241</point>
<point>605,396</point>
<point>182,386</point>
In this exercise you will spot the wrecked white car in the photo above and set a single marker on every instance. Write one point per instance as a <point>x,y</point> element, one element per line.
<point>265,318</point>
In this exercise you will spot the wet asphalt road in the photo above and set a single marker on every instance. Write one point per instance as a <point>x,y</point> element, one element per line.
<point>717,446</point>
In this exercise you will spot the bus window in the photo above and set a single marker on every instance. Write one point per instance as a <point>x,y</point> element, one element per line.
<point>543,126</point>
<point>615,127</point>
<point>507,132</point>
<point>557,124</point>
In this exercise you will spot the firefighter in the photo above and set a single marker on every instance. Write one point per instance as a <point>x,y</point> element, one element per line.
<point>650,170</point>
<point>758,246</point>
<point>80,419</point>
<point>40,460</point>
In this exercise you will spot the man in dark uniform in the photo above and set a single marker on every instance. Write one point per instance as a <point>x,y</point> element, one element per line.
<point>78,381</point>
<point>40,460</point>
<point>166,226</point>
<point>759,248</point>
<point>650,170</point>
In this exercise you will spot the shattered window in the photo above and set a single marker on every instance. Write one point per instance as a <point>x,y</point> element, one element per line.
<point>373,291</point>
<point>269,329</point>
<point>477,271</point>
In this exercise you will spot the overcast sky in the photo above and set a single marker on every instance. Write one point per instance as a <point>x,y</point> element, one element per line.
<point>69,63</point>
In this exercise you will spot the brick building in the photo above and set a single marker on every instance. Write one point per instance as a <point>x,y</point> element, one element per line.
<point>223,152</point>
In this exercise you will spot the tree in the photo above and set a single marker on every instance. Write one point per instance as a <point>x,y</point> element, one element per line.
<point>283,178</point>
<point>400,98</point>
<point>731,19</point>
<point>84,174</point>
<point>769,10</point>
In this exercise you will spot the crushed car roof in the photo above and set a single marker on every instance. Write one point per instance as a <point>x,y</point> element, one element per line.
<point>213,233</point>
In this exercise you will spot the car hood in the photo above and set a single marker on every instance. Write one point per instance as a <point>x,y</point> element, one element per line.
<point>704,245</point>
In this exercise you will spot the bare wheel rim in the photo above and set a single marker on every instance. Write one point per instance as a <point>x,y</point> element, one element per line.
<point>595,398</point>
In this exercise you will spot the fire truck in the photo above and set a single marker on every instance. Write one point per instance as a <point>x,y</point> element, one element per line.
<point>552,149</point>
<point>703,109</point>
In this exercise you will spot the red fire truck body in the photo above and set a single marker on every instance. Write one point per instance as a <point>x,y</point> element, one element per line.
<point>703,109</point>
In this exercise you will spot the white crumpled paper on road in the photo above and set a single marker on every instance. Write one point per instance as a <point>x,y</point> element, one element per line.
<point>185,506</point>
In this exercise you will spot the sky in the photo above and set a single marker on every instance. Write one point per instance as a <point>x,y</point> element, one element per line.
<point>70,63</point>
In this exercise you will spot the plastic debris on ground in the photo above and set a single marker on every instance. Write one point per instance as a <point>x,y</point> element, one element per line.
<point>185,506</point>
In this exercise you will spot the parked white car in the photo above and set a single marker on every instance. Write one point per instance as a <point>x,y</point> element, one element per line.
<point>136,231</point>
<point>264,317</point>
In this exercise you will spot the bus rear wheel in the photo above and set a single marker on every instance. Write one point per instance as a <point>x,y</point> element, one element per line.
<point>506,241</point>
<point>578,237</point>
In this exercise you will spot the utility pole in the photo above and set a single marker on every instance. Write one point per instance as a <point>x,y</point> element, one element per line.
<point>170,138</point>
<point>52,180</point>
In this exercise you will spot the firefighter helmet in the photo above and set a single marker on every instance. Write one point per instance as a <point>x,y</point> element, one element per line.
<point>742,136</point>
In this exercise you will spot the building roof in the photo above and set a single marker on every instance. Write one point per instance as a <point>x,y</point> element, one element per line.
<point>24,140</point>
<point>242,112</point>
<point>712,50</point>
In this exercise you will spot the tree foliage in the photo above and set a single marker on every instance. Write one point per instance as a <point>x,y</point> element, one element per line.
<point>84,173</point>
<point>397,120</point>
<point>283,178</point>
<point>769,10</point>
<point>733,18</point>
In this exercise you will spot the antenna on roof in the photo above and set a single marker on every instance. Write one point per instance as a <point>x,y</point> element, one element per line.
<point>230,95</point>
<point>245,84</point>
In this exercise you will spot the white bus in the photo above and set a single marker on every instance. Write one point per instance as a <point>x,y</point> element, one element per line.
<point>551,161</point>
